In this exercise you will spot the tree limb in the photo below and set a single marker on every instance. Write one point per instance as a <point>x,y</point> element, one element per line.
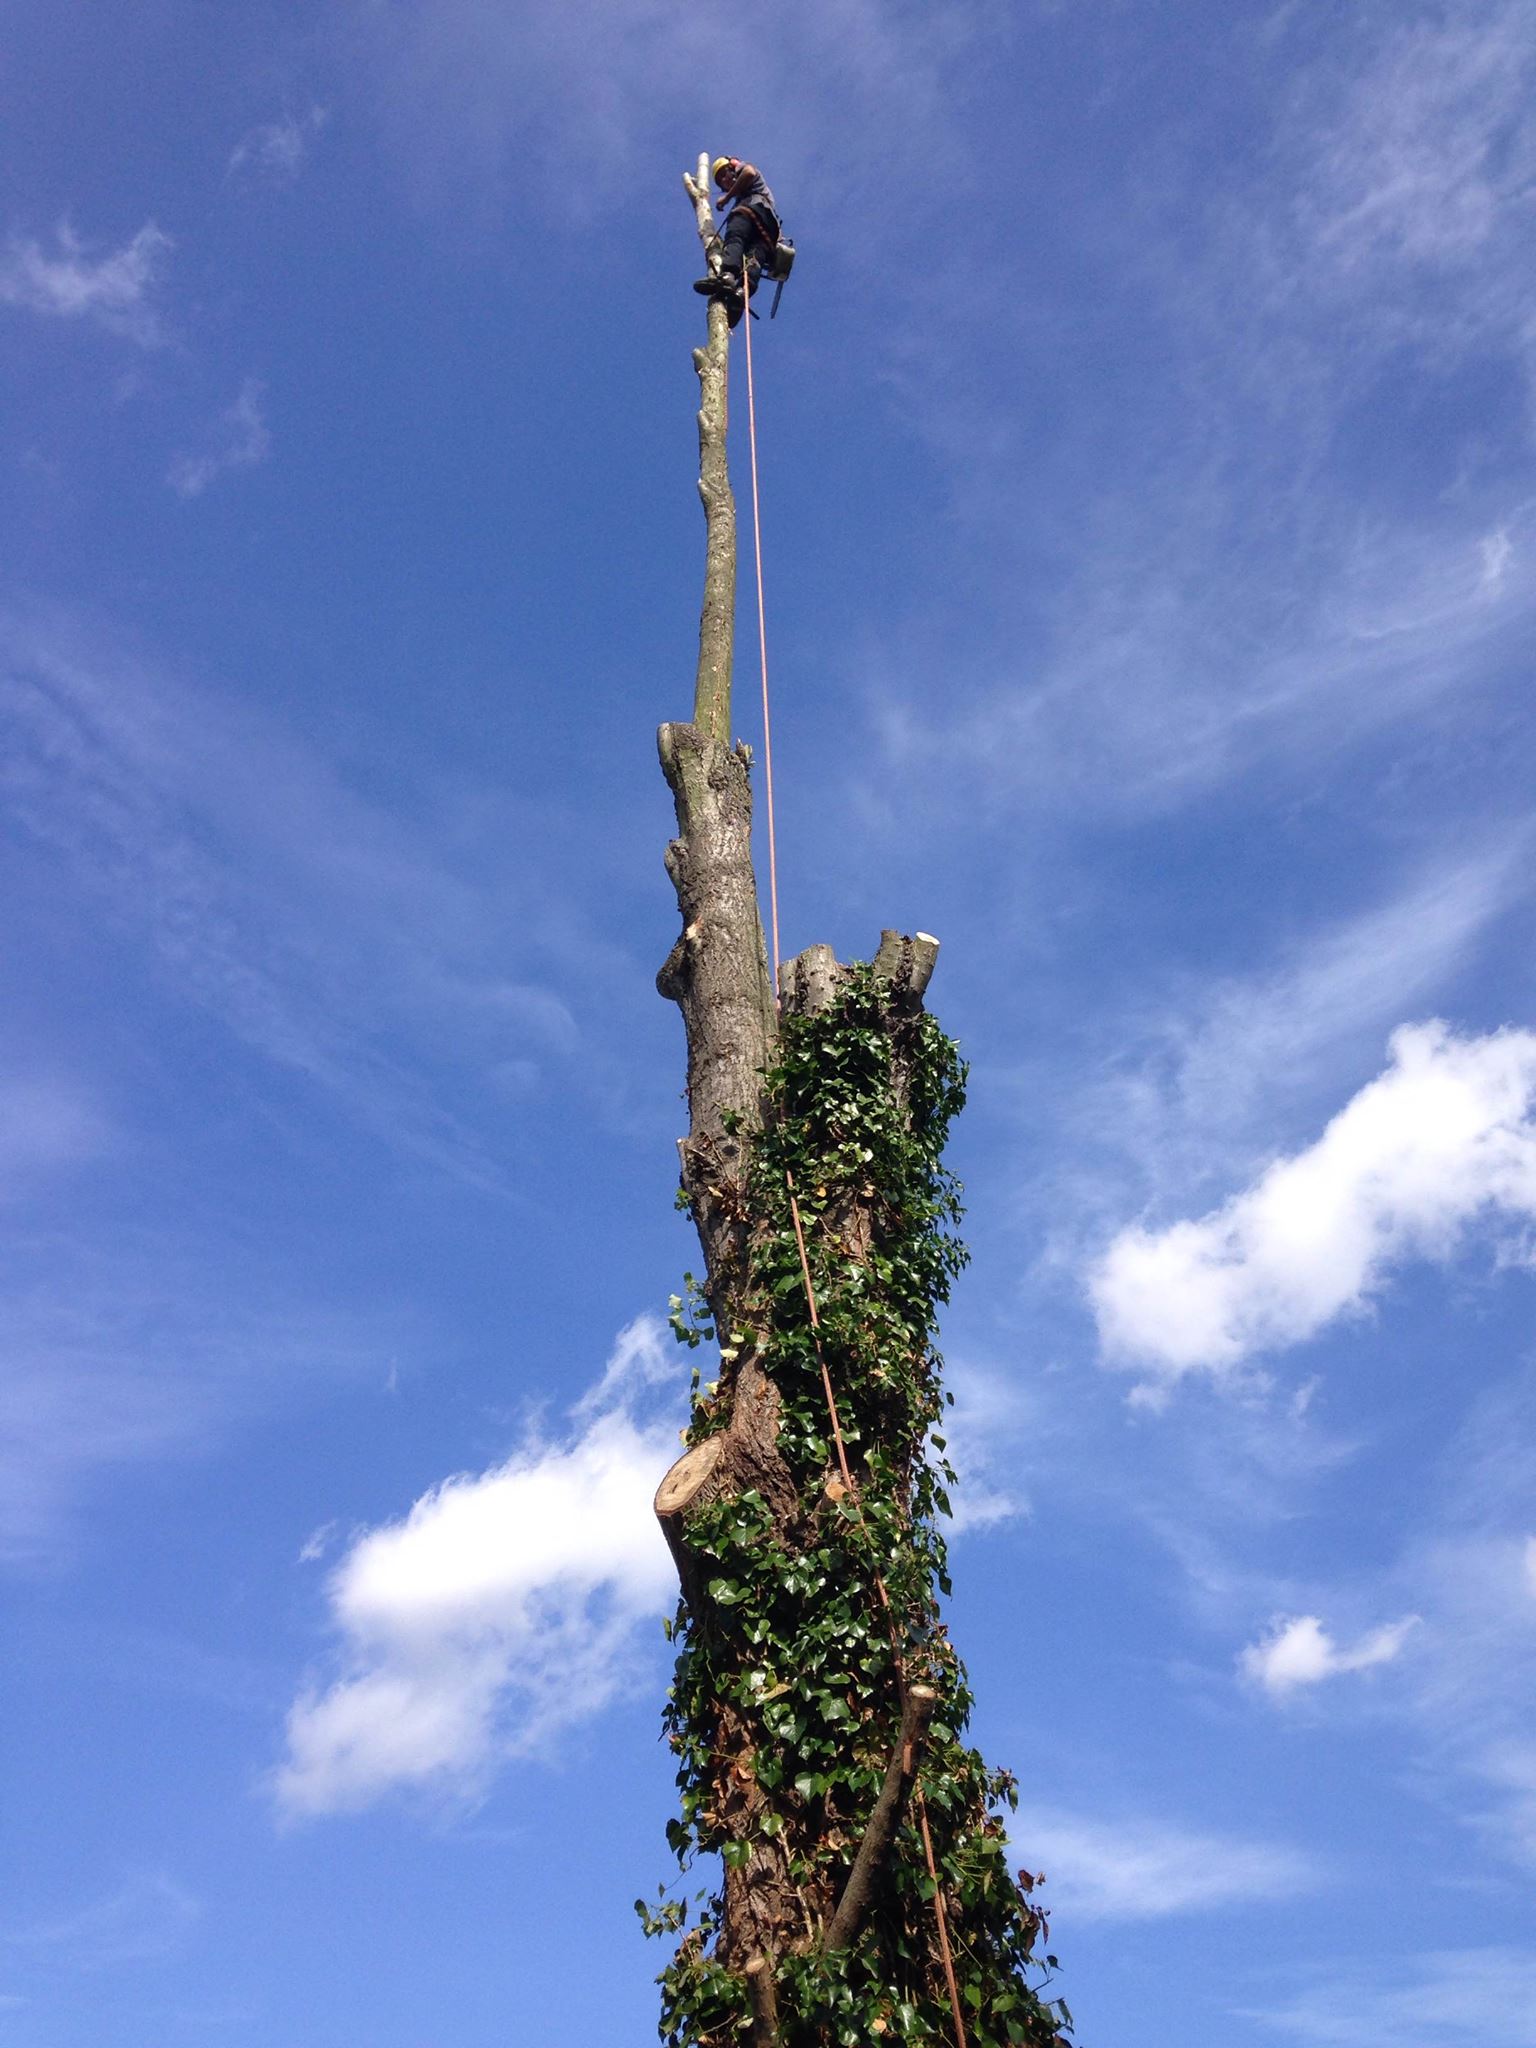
<point>765,2003</point>
<point>859,1891</point>
<point>907,964</point>
<point>717,621</point>
<point>686,1481</point>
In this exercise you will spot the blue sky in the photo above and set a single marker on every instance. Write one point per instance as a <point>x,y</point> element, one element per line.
<point>1150,502</point>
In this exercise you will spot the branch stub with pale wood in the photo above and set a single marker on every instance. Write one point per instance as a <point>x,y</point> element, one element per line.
<point>875,1848</point>
<point>812,980</point>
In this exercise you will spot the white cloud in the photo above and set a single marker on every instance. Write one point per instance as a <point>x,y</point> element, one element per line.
<point>504,1606</point>
<point>274,152</point>
<point>317,1543</point>
<point>1199,1081</point>
<point>114,290</point>
<point>1443,1136</point>
<point>1299,1651</point>
<point>1143,1871</point>
<point>989,1432</point>
<point>1530,1563</point>
<point>244,440</point>
<point>1446,1998</point>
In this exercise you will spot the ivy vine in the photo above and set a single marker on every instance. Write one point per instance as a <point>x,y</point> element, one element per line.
<point>795,1640</point>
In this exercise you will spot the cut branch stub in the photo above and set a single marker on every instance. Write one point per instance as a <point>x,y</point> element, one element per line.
<point>812,980</point>
<point>875,1848</point>
<point>686,1485</point>
<point>907,964</point>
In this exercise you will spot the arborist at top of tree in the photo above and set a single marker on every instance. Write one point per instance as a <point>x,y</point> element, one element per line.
<point>752,242</point>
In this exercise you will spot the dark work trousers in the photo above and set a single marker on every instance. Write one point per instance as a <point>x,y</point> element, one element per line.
<point>743,242</point>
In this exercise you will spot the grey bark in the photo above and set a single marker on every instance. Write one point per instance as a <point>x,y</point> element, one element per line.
<point>717,620</point>
<point>717,974</point>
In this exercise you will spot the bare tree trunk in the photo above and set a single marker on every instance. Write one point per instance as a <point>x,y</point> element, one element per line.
<point>717,623</point>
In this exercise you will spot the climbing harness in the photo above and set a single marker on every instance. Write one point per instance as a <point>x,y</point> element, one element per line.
<point>940,1914</point>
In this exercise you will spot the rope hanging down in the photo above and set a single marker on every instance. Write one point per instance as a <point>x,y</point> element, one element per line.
<point>762,631</point>
<point>941,1917</point>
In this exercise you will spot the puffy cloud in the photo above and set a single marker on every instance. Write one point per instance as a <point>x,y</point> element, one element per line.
<point>504,1606</point>
<point>113,290</point>
<point>1144,1871</point>
<point>1299,1651</point>
<point>244,439</point>
<point>1444,1135</point>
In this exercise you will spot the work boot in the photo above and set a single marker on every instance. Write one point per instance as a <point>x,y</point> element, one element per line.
<point>720,284</point>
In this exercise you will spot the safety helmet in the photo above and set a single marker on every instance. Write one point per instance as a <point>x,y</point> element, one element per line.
<point>722,167</point>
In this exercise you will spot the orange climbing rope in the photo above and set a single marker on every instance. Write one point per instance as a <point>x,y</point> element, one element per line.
<point>941,1917</point>
<point>762,631</point>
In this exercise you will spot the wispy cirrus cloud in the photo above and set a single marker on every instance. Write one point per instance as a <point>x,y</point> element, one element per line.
<point>243,439</point>
<point>271,891</point>
<point>129,1350</point>
<point>1175,669</point>
<point>1446,1135</point>
<point>468,90</point>
<point>1148,1870</point>
<point>503,1608</point>
<point>1440,1998</point>
<point>1415,170</point>
<point>274,152</point>
<point>116,290</point>
<point>148,1915</point>
<point>1284,578</point>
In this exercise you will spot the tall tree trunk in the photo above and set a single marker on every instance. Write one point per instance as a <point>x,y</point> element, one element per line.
<point>818,1704</point>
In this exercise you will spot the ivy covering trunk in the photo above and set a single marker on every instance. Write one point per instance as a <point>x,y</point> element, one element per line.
<point>818,1711</point>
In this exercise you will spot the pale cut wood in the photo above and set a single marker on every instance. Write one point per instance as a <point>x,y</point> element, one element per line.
<point>686,1483</point>
<point>678,1491</point>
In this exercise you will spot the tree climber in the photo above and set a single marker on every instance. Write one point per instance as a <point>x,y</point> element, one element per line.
<point>751,240</point>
